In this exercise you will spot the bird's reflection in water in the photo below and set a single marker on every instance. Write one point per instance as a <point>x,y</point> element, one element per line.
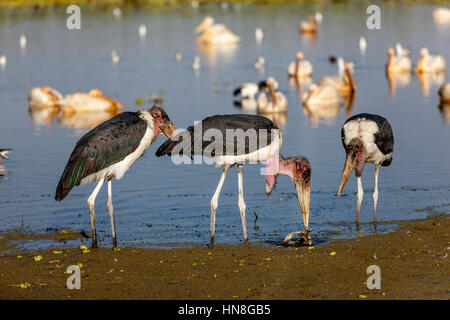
<point>278,118</point>
<point>430,79</point>
<point>349,102</point>
<point>326,114</point>
<point>300,84</point>
<point>395,80</point>
<point>309,39</point>
<point>43,117</point>
<point>444,108</point>
<point>82,122</point>
<point>214,52</point>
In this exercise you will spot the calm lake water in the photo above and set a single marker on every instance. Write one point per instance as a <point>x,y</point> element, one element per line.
<point>159,203</point>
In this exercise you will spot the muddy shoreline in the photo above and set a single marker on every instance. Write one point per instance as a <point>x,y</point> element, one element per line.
<point>413,262</point>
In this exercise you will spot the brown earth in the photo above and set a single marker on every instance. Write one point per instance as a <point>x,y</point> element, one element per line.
<point>413,262</point>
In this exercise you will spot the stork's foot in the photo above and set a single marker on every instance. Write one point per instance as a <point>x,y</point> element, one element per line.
<point>114,243</point>
<point>211,242</point>
<point>298,239</point>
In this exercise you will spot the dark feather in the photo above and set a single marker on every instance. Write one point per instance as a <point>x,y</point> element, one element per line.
<point>106,144</point>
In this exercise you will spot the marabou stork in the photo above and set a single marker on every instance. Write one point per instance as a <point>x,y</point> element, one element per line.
<point>108,151</point>
<point>237,139</point>
<point>366,138</point>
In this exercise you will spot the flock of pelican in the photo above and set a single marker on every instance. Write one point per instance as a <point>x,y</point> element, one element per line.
<point>320,100</point>
<point>323,99</point>
<point>76,110</point>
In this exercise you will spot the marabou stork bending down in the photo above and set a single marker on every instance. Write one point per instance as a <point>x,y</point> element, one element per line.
<point>236,139</point>
<point>108,151</point>
<point>366,138</point>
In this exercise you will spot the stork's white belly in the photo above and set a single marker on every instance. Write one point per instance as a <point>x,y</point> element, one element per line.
<point>118,169</point>
<point>256,156</point>
<point>365,130</point>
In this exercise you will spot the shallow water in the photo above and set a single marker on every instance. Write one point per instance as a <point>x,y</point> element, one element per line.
<point>160,203</point>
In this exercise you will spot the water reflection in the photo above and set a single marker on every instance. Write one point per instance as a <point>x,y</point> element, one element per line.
<point>326,114</point>
<point>213,53</point>
<point>395,80</point>
<point>444,108</point>
<point>43,117</point>
<point>431,79</point>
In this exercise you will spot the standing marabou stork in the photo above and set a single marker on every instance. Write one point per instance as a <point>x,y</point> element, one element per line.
<point>108,151</point>
<point>366,138</point>
<point>237,139</point>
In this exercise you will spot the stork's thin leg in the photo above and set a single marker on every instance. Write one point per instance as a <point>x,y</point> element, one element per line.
<point>375,194</point>
<point>91,204</point>
<point>111,213</point>
<point>214,202</point>
<point>241,202</point>
<point>360,197</point>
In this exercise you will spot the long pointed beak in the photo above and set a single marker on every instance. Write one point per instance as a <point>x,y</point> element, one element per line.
<point>346,173</point>
<point>168,129</point>
<point>303,196</point>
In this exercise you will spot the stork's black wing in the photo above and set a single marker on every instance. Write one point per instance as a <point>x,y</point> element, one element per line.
<point>106,144</point>
<point>200,139</point>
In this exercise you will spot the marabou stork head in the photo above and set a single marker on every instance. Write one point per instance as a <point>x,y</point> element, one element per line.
<point>162,121</point>
<point>355,160</point>
<point>299,170</point>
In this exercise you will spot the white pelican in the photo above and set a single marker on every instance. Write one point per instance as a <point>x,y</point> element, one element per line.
<point>318,17</point>
<point>142,30</point>
<point>345,85</point>
<point>276,102</point>
<point>93,101</point>
<point>321,95</point>
<point>309,26</point>
<point>430,62</point>
<point>444,93</point>
<point>400,51</point>
<point>398,64</point>
<point>45,97</point>
<point>442,15</point>
<point>215,33</point>
<point>117,13</point>
<point>300,68</point>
